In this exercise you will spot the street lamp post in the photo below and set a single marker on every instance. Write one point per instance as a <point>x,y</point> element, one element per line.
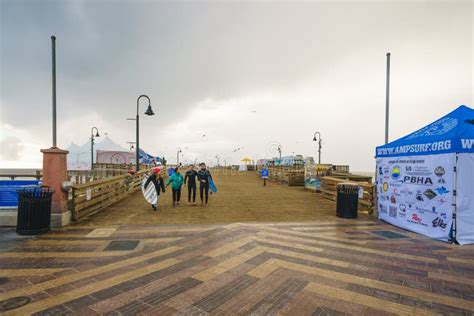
<point>319,145</point>
<point>217,158</point>
<point>149,112</point>
<point>178,151</point>
<point>53,56</point>
<point>279,151</point>
<point>92,144</point>
<point>387,98</point>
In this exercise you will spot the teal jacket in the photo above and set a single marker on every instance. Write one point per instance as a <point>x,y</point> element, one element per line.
<point>176,180</point>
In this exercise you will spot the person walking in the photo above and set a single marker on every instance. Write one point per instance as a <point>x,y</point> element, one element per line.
<point>190,178</point>
<point>176,181</point>
<point>264,175</point>
<point>159,184</point>
<point>203,176</point>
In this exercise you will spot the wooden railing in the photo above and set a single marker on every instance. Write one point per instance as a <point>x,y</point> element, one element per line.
<point>90,198</point>
<point>366,203</point>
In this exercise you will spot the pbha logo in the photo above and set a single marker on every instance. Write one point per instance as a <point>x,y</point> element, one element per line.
<point>418,180</point>
<point>438,222</point>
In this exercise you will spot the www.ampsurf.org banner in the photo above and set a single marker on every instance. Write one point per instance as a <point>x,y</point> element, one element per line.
<point>416,193</point>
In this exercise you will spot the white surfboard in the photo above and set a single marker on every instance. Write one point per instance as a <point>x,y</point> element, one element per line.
<point>150,192</point>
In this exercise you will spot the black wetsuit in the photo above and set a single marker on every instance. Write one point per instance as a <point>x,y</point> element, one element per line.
<point>203,178</point>
<point>190,178</point>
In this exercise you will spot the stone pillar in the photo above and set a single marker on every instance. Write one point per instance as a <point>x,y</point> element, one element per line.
<point>54,173</point>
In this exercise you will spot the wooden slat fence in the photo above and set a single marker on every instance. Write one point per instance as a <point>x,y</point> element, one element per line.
<point>291,175</point>
<point>89,198</point>
<point>366,203</point>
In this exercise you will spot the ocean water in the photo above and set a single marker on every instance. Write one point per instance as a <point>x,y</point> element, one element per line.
<point>23,174</point>
<point>365,173</point>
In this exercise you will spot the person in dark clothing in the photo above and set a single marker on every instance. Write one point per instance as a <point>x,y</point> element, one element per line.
<point>190,178</point>
<point>158,182</point>
<point>203,176</point>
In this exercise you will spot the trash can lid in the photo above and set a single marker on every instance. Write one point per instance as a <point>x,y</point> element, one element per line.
<point>35,188</point>
<point>348,184</point>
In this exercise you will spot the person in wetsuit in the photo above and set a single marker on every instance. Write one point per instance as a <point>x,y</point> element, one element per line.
<point>190,178</point>
<point>158,182</point>
<point>203,176</point>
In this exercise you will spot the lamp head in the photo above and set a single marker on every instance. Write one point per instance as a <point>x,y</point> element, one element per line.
<point>314,138</point>
<point>97,134</point>
<point>149,111</point>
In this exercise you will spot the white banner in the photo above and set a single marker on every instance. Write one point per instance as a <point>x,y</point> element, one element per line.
<point>416,193</point>
<point>465,199</point>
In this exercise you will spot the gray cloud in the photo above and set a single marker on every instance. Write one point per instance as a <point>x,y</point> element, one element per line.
<point>183,53</point>
<point>11,148</point>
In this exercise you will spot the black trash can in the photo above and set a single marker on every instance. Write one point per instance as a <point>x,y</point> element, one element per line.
<point>34,210</point>
<point>347,200</point>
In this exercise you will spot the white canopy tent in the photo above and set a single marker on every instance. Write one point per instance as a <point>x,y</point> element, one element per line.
<point>425,180</point>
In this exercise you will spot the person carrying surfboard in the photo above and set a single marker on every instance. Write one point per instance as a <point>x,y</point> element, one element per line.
<point>204,178</point>
<point>176,181</point>
<point>158,182</point>
<point>190,178</point>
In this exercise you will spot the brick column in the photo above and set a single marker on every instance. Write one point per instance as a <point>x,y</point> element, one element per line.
<point>54,173</point>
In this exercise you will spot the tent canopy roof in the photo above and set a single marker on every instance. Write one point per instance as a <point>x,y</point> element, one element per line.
<point>453,132</point>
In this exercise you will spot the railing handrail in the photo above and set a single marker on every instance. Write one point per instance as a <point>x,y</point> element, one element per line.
<point>102,181</point>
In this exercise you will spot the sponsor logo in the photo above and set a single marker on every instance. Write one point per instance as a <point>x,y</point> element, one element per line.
<point>410,205</point>
<point>408,168</point>
<point>430,194</point>
<point>423,210</point>
<point>441,181</point>
<point>439,171</point>
<point>385,186</point>
<point>442,190</point>
<point>392,211</point>
<point>402,212</point>
<point>393,200</point>
<point>382,209</point>
<point>416,218</point>
<point>442,200</point>
<point>438,222</point>
<point>396,174</point>
<point>440,127</point>
<point>418,180</point>
<point>419,197</point>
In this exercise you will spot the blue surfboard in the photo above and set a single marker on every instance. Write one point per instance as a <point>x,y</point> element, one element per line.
<point>212,186</point>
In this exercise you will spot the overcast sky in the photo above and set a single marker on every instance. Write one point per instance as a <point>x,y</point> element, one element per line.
<point>249,75</point>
